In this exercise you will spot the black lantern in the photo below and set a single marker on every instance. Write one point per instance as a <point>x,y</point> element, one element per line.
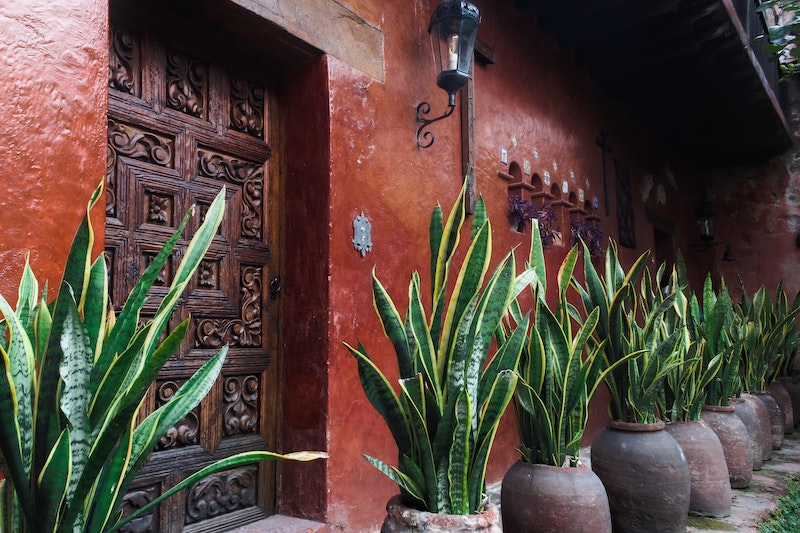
<point>454,25</point>
<point>706,215</point>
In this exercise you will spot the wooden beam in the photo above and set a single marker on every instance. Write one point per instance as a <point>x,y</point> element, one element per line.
<point>328,26</point>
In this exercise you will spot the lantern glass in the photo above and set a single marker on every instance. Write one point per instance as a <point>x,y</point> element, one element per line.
<point>706,228</point>
<point>454,25</point>
<point>706,216</point>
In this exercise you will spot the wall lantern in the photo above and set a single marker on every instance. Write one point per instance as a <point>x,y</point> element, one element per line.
<point>706,215</point>
<point>454,24</point>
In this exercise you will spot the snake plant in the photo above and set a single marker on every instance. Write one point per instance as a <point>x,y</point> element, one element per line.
<point>452,393</point>
<point>770,333</point>
<point>72,383</point>
<point>688,386</point>
<point>559,374</point>
<point>632,328</point>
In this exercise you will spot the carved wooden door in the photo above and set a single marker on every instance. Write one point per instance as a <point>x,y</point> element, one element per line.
<point>180,128</point>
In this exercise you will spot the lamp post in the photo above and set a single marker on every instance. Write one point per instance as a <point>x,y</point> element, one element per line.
<point>454,24</point>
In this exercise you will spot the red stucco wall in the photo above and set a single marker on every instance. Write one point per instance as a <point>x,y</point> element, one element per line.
<point>53,72</point>
<point>532,98</point>
<point>350,148</point>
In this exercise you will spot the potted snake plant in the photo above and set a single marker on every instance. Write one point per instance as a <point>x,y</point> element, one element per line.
<point>781,384</point>
<point>73,379</point>
<point>716,331</point>
<point>685,392</point>
<point>452,391</point>
<point>768,324</point>
<point>549,489</point>
<point>642,467</point>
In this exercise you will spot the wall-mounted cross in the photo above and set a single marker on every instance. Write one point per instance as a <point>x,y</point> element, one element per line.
<point>602,141</point>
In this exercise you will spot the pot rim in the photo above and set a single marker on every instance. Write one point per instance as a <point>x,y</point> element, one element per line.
<point>720,408</point>
<point>579,467</point>
<point>636,427</point>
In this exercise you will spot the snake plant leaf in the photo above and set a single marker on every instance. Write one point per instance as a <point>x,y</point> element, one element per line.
<point>417,326</point>
<point>536,258</point>
<point>467,288</point>
<point>459,456</point>
<point>495,299</point>
<point>479,216</point>
<point>75,370</point>
<point>393,327</point>
<point>128,320</point>
<point>95,305</point>
<point>10,515</point>
<point>112,387</point>
<point>415,406</point>
<point>184,400</point>
<point>18,384</point>
<point>27,298</point>
<point>228,463</point>
<point>441,258</point>
<point>455,354</point>
<point>498,400</point>
<point>111,487</point>
<point>415,478</point>
<point>383,398</point>
<point>16,400</point>
<point>53,482</point>
<point>507,357</point>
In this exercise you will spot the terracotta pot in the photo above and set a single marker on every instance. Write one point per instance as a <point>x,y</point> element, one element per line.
<point>763,423</point>
<point>548,499</point>
<point>403,519</point>
<point>708,471</point>
<point>735,440</point>
<point>779,391</point>
<point>777,421</point>
<point>794,393</point>
<point>645,475</point>
<point>748,416</point>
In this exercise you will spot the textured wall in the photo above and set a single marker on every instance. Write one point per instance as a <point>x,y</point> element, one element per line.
<point>53,70</point>
<point>533,99</point>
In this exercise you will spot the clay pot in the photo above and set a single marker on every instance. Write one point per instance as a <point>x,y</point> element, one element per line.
<point>777,421</point>
<point>645,475</point>
<point>779,391</point>
<point>403,519</point>
<point>735,440</point>
<point>748,416</point>
<point>763,423</point>
<point>708,471</point>
<point>794,393</point>
<point>549,499</point>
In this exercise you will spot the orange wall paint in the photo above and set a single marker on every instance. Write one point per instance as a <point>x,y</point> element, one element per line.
<point>53,75</point>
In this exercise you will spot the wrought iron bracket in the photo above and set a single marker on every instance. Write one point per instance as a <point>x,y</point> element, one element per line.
<point>426,138</point>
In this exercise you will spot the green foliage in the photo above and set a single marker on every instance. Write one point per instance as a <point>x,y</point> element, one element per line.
<point>717,331</point>
<point>686,388</point>
<point>781,37</point>
<point>557,382</point>
<point>769,332</point>
<point>634,328</point>
<point>452,394</point>
<point>786,517</point>
<point>73,381</point>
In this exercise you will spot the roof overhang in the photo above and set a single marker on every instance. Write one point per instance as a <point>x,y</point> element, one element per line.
<point>689,69</point>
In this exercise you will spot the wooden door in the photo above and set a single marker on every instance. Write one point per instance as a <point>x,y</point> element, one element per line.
<point>180,127</point>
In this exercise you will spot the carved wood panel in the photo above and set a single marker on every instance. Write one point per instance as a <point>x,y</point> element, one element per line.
<point>180,128</point>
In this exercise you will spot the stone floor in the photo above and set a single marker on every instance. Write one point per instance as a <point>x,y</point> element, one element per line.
<point>750,505</point>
